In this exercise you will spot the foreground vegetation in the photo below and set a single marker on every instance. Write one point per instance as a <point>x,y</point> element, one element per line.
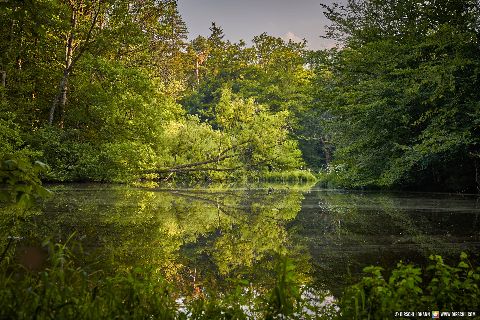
<point>111,91</point>
<point>63,289</point>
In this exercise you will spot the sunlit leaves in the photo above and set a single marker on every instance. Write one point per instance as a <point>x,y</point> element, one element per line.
<point>21,181</point>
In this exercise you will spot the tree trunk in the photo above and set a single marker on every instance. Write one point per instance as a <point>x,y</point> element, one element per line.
<point>198,166</point>
<point>200,59</point>
<point>477,176</point>
<point>326,151</point>
<point>197,73</point>
<point>4,78</point>
<point>61,98</point>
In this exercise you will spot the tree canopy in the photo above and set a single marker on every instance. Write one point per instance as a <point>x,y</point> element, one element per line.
<point>400,101</point>
<point>114,91</point>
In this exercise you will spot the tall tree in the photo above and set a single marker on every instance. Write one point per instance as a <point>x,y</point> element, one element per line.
<point>83,24</point>
<point>400,95</point>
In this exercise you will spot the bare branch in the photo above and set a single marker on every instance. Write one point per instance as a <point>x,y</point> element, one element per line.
<point>181,170</point>
<point>196,164</point>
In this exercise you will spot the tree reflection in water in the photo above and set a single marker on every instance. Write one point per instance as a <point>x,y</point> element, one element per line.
<point>194,237</point>
<point>213,238</point>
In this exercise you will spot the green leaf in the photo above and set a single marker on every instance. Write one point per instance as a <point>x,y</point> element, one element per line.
<point>10,164</point>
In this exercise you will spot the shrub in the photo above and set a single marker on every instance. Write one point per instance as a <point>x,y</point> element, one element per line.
<point>439,287</point>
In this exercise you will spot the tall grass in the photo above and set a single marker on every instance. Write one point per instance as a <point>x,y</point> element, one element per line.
<point>63,290</point>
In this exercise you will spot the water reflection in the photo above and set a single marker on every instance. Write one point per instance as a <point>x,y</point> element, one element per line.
<point>347,231</point>
<point>214,237</point>
<point>194,237</point>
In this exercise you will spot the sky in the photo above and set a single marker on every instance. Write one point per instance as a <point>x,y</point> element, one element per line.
<point>244,19</point>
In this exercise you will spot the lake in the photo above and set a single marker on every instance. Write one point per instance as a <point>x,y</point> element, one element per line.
<point>212,237</point>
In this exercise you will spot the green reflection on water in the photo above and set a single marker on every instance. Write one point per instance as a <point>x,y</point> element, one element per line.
<point>205,237</point>
<point>194,237</point>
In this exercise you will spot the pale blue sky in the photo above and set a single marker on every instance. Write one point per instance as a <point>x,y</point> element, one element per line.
<point>244,19</point>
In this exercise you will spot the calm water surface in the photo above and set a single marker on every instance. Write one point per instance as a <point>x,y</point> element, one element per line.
<point>211,236</point>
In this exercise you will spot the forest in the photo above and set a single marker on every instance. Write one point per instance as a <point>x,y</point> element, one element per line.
<point>148,175</point>
<point>113,91</point>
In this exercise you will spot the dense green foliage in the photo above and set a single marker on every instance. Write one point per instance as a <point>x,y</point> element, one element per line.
<point>122,67</point>
<point>65,291</point>
<point>400,100</point>
<point>22,181</point>
<point>113,91</point>
<point>440,287</point>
